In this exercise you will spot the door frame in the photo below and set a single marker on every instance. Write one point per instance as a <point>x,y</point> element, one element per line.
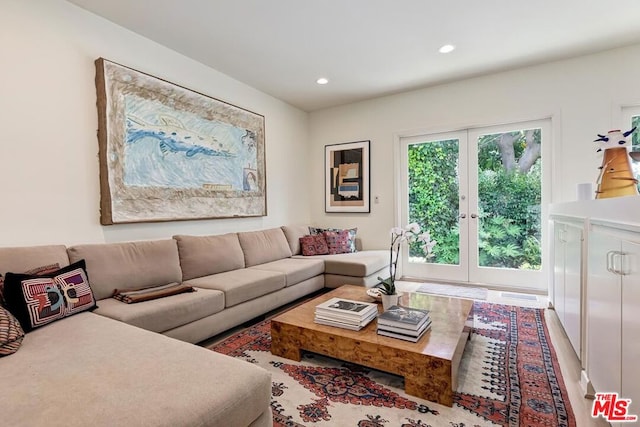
<point>549,152</point>
<point>451,272</point>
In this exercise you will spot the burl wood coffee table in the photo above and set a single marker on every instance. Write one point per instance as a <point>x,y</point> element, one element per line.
<point>429,367</point>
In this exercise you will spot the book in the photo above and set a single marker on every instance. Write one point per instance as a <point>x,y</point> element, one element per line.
<point>410,332</point>
<point>403,336</point>
<point>346,325</point>
<point>346,319</point>
<point>404,317</point>
<point>338,324</point>
<point>347,308</point>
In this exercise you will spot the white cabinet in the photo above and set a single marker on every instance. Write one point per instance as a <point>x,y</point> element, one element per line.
<point>568,279</point>
<point>613,309</point>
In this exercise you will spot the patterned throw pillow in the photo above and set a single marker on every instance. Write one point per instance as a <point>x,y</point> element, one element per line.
<point>37,300</point>
<point>38,270</point>
<point>11,334</point>
<point>337,241</point>
<point>352,235</point>
<point>314,244</point>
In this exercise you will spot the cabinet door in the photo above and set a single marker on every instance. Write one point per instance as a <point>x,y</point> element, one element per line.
<point>603,315</point>
<point>573,285</point>
<point>558,270</point>
<point>631,325</point>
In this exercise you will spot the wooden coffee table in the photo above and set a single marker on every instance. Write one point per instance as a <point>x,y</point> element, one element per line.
<point>429,367</point>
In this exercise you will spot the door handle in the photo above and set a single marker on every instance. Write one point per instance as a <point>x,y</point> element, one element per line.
<point>474,216</point>
<point>616,263</point>
<point>463,215</point>
<point>620,266</point>
<point>610,268</point>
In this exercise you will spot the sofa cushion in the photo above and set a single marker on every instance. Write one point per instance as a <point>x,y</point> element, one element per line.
<point>129,265</point>
<point>37,300</point>
<point>38,270</point>
<point>11,334</point>
<point>264,246</point>
<point>23,259</point>
<point>241,285</point>
<point>335,280</point>
<point>293,233</point>
<point>314,244</point>
<point>99,372</point>
<point>162,314</point>
<point>205,255</point>
<point>358,264</point>
<point>295,270</point>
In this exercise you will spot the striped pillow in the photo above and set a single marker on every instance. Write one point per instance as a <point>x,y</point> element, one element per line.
<point>11,334</point>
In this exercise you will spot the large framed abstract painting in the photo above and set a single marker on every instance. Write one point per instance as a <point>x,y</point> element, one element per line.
<point>347,177</point>
<point>168,153</point>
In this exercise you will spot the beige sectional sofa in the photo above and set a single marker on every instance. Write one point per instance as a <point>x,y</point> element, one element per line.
<point>95,368</point>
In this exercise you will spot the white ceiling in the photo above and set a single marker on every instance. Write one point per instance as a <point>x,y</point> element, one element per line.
<point>369,48</point>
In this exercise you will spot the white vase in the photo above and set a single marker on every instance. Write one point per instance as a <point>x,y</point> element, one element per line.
<point>389,300</point>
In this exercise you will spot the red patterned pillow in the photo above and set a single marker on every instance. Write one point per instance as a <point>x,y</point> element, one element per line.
<point>38,270</point>
<point>352,235</point>
<point>314,245</point>
<point>36,300</point>
<point>338,241</point>
<point>11,334</point>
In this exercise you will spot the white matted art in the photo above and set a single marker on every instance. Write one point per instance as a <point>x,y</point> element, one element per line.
<point>347,186</point>
<point>168,153</point>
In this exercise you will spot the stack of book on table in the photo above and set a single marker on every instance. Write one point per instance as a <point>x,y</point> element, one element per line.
<point>345,313</point>
<point>405,323</point>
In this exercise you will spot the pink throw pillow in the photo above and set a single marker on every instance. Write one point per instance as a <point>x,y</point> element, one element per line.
<point>338,241</point>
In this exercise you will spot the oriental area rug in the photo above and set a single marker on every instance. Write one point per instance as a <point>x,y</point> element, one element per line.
<point>509,376</point>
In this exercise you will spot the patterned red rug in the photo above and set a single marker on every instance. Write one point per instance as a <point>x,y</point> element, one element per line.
<point>509,376</point>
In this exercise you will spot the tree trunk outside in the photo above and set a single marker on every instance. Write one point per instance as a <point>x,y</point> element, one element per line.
<point>507,151</point>
<point>531,153</point>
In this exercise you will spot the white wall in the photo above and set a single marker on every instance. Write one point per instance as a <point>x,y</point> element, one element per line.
<point>49,179</point>
<point>582,95</point>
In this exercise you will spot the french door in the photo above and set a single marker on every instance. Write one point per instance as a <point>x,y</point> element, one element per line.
<point>480,194</point>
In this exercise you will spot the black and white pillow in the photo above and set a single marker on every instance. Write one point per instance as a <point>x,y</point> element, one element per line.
<point>39,299</point>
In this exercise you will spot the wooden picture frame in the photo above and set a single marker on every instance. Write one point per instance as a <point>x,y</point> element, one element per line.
<point>347,177</point>
<point>168,153</point>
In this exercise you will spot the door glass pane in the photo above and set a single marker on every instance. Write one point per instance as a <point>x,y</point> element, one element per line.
<point>433,198</point>
<point>509,198</point>
<point>635,146</point>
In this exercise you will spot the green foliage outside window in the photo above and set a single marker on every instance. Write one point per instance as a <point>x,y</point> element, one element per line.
<point>509,188</point>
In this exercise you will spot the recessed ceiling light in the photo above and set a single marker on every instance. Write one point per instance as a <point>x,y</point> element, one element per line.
<point>322,81</point>
<point>446,48</point>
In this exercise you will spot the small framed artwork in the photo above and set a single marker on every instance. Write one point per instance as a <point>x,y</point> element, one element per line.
<point>347,177</point>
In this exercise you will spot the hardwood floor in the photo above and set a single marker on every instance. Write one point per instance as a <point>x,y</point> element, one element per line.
<point>569,363</point>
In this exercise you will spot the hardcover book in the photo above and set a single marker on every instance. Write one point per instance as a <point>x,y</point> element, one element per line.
<point>411,332</point>
<point>404,317</point>
<point>353,325</point>
<point>346,307</point>
<point>403,336</point>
